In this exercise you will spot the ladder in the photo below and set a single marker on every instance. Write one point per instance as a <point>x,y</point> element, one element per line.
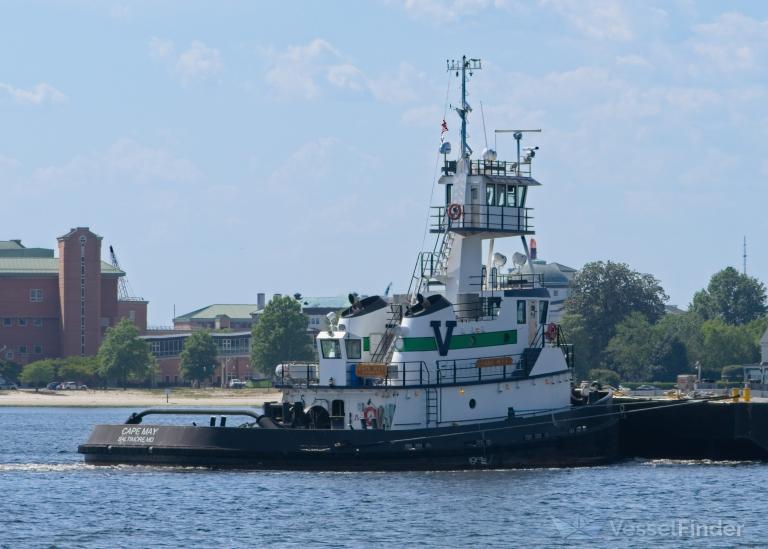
<point>432,407</point>
<point>432,264</point>
<point>386,347</point>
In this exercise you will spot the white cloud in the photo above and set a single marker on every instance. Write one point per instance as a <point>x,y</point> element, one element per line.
<point>600,19</point>
<point>160,48</point>
<point>302,69</point>
<point>732,42</point>
<point>126,161</point>
<point>6,162</point>
<point>407,84</point>
<point>198,62</point>
<point>633,60</point>
<point>442,11</point>
<point>346,76</point>
<point>309,70</point>
<point>40,93</point>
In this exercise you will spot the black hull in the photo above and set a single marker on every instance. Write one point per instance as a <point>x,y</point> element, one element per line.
<point>580,437</point>
<point>695,430</point>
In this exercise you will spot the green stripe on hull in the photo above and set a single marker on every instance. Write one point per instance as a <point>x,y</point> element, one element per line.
<point>467,341</point>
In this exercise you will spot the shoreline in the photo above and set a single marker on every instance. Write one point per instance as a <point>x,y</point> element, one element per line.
<point>119,398</point>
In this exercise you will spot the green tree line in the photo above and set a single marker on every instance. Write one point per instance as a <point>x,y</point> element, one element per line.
<point>617,321</point>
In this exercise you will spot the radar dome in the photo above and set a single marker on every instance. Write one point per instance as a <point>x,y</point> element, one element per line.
<point>489,155</point>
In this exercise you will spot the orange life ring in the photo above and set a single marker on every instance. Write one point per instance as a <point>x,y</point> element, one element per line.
<point>454,211</point>
<point>369,414</point>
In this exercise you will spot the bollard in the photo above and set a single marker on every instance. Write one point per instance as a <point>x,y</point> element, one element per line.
<point>747,393</point>
<point>735,394</point>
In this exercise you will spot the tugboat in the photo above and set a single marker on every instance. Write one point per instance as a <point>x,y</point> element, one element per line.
<point>465,372</point>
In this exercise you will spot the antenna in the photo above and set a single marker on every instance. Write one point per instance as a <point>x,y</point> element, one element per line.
<point>485,133</point>
<point>744,257</point>
<point>518,135</point>
<point>462,67</point>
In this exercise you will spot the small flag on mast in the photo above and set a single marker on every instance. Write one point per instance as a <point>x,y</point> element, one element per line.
<point>443,127</point>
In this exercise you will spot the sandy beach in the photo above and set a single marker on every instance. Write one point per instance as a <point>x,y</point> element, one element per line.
<point>139,398</point>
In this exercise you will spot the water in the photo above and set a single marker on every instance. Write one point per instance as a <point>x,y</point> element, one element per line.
<point>49,498</point>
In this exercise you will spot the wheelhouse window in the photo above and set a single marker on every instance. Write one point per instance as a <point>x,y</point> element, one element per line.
<point>354,348</point>
<point>511,196</point>
<point>521,311</point>
<point>330,348</point>
<point>490,195</point>
<point>543,307</point>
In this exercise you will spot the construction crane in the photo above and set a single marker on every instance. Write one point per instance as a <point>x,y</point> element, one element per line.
<point>124,290</point>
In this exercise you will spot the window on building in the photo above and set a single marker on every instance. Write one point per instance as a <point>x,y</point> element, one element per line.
<point>22,322</point>
<point>226,344</point>
<point>7,322</point>
<point>37,349</point>
<point>132,315</point>
<point>37,322</point>
<point>35,295</point>
<point>22,349</point>
<point>9,355</point>
<point>556,293</point>
<point>521,311</point>
<point>354,348</point>
<point>330,348</point>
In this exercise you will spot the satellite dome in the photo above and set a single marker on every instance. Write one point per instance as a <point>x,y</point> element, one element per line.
<point>489,155</point>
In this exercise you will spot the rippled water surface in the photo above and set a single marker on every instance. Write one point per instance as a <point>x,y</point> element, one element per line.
<point>48,497</point>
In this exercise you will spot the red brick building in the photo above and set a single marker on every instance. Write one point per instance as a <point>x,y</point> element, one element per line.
<point>61,306</point>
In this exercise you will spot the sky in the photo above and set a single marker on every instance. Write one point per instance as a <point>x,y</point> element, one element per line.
<point>230,148</point>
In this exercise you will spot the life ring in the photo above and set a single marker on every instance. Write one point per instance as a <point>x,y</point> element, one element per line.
<point>369,414</point>
<point>551,332</point>
<point>454,211</point>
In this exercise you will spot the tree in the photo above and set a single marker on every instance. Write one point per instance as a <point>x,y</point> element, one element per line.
<point>280,335</point>
<point>724,344</point>
<point>9,370</point>
<point>39,373</point>
<point>80,368</point>
<point>198,359</point>
<point>603,294</point>
<point>630,351</point>
<point>123,355</point>
<point>732,297</point>
<point>606,377</point>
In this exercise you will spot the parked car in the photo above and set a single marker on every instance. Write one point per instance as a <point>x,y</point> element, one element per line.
<point>236,384</point>
<point>73,385</point>
<point>7,386</point>
<point>53,385</point>
<point>646,388</point>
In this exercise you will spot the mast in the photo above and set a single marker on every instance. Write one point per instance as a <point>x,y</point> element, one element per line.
<point>463,66</point>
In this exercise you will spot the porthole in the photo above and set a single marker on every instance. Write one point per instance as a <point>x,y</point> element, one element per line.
<point>472,403</point>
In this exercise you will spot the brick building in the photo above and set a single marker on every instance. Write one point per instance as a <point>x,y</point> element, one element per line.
<point>61,306</point>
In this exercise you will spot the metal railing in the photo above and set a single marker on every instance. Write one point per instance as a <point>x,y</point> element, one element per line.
<point>297,374</point>
<point>481,217</point>
<point>491,167</point>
